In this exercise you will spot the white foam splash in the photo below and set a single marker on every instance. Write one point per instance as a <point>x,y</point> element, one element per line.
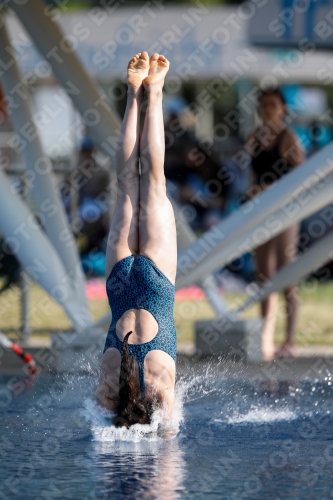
<point>103,429</point>
<point>262,415</point>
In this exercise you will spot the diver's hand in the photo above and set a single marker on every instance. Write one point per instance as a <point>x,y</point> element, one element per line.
<point>102,398</point>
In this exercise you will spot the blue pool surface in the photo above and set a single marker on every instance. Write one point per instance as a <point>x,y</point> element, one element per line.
<point>239,438</point>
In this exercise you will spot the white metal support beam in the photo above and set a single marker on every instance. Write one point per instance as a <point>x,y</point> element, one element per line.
<point>185,237</point>
<point>212,250</point>
<point>104,124</point>
<point>306,204</point>
<point>36,253</point>
<point>51,209</point>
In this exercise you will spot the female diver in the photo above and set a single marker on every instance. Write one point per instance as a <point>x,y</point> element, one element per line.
<point>137,369</point>
<point>275,150</point>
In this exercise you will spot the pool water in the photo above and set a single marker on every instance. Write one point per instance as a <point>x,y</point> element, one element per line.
<point>239,438</point>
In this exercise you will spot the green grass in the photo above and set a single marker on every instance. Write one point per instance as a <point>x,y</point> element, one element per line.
<point>314,326</point>
<point>315,316</point>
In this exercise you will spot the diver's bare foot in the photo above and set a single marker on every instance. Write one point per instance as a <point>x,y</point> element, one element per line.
<point>158,68</point>
<point>137,70</point>
<point>268,354</point>
<point>286,351</point>
<point>267,346</point>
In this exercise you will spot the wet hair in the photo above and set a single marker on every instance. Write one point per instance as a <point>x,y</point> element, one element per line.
<point>272,91</point>
<point>131,409</point>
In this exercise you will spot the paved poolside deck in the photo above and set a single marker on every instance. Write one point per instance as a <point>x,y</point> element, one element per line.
<point>314,362</point>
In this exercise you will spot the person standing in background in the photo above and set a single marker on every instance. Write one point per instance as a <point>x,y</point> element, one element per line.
<point>85,192</point>
<point>274,149</point>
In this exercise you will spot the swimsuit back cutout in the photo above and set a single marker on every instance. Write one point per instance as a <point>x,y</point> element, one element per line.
<point>135,282</point>
<point>268,164</point>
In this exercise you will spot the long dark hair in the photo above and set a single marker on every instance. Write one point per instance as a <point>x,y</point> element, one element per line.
<point>131,409</point>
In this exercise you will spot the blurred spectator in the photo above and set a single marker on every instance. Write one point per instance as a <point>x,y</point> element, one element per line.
<point>89,183</point>
<point>194,173</point>
<point>316,132</point>
<point>237,178</point>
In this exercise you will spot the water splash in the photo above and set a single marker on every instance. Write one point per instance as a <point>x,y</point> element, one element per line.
<point>262,415</point>
<point>207,392</point>
<point>189,388</point>
<point>160,428</point>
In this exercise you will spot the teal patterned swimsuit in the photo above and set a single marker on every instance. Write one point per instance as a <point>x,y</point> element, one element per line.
<point>135,282</point>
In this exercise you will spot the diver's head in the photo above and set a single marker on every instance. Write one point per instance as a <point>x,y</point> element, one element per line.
<point>132,409</point>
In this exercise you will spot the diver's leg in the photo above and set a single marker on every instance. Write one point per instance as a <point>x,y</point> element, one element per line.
<point>265,257</point>
<point>286,245</point>
<point>123,237</point>
<point>157,228</point>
